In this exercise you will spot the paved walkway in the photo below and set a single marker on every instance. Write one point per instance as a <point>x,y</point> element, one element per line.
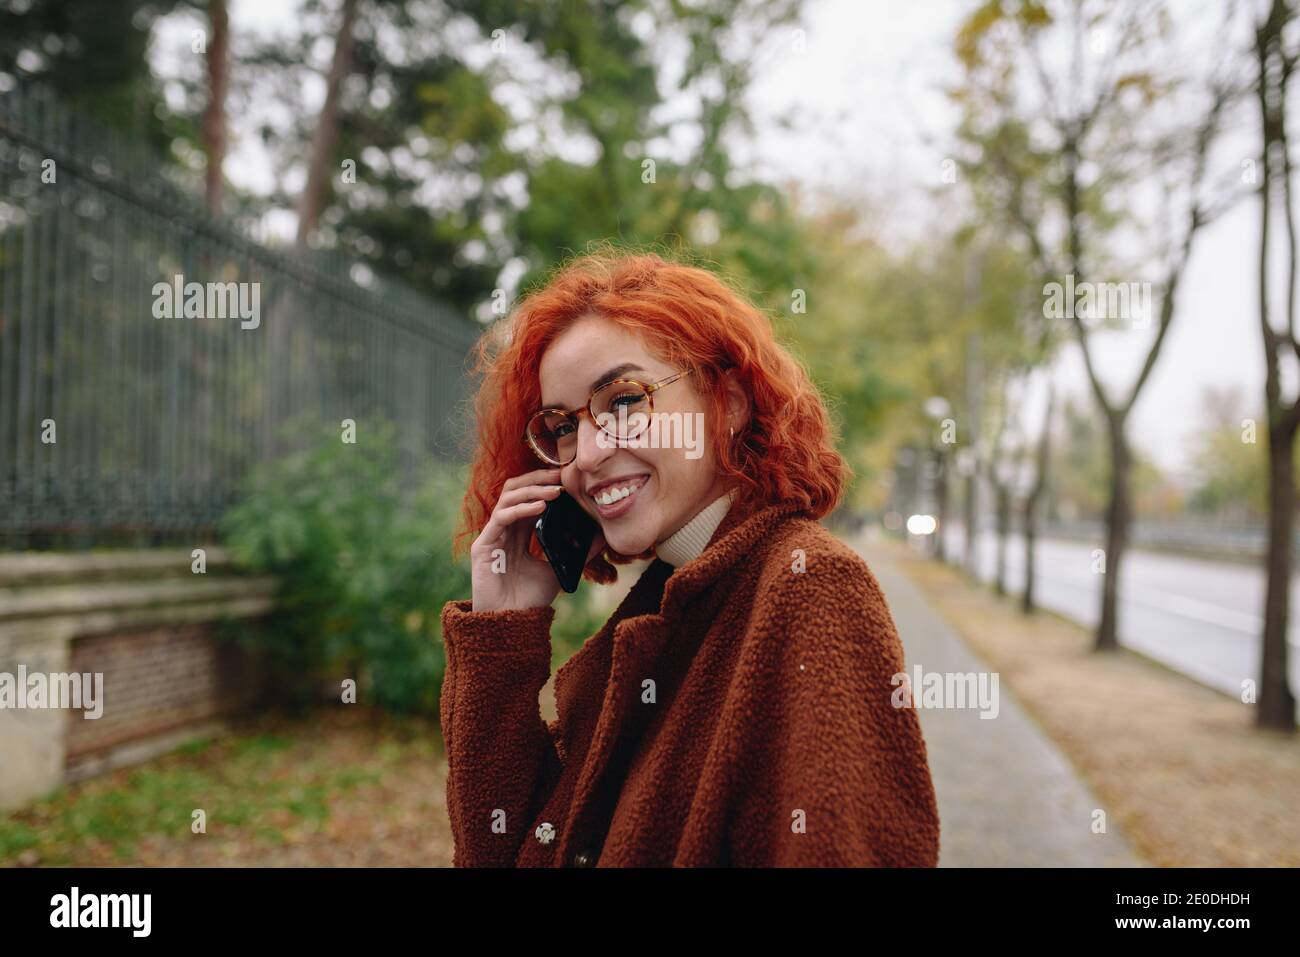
<point>1007,795</point>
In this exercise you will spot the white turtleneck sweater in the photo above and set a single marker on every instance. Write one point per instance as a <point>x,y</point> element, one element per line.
<point>688,541</point>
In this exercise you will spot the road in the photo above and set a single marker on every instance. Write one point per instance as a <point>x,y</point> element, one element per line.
<point>1199,617</point>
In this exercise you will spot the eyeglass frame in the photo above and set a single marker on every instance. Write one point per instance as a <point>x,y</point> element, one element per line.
<point>649,388</point>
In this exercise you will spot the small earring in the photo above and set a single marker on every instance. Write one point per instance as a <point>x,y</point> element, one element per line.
<point>733,431</point>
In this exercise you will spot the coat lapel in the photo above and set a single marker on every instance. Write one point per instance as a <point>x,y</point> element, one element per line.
<point>626,650</point>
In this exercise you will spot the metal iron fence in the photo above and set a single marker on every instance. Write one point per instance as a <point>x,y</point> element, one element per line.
<point>119,423</point>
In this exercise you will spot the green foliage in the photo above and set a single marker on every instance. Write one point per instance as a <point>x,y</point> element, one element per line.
<point>428,113</point>
<point>1229,463</point>
<point>701,199</point>
<point>364,569</point>
<point>891,325</point>
<point>437,116</point>
<point>364,572</point>
<point>94,54</point>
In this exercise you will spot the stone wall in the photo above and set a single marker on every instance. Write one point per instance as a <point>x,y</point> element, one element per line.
<point>146,623</point>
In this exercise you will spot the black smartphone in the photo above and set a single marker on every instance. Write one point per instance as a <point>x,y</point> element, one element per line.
<point>566,533</point>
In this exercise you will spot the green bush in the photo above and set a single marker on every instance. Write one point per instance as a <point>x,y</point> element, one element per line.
<point>364,572</point>
<point>364,569</point>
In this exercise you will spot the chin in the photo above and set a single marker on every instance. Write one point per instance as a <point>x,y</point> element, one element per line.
<point>628,541</point>
<point>629,544</point>
<point>634,532</point>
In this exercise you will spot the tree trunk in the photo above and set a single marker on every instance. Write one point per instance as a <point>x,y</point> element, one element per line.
<point>321,152</point>
<point>214,116</point>
<point>1031,503</point>
<point>941,494</point>
<point>1276,703</point>
<point>1004,527</point>
<point>974,384</point>
<point>1031,537</point>
<point>971,560</point>
<point>1117,529</point>
<point>286,391</point>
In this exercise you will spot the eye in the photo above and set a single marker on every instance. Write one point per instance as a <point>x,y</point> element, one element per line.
<point>628,399</point>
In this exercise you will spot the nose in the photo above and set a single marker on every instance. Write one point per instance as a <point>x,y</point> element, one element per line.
<point>591,452</point>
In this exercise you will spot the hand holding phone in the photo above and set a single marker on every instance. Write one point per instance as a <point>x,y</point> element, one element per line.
<point>502,573</point>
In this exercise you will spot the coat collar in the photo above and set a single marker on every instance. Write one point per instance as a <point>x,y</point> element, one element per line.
<point>659,595</point>
<point>739,533</point>
<point>662,588</point>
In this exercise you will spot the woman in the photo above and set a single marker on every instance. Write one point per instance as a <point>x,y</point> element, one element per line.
<point>736,707</point>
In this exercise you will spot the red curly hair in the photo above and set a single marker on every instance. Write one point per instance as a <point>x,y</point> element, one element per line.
<point>691,318</point>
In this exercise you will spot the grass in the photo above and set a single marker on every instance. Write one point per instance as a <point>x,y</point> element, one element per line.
<point>310,790</point>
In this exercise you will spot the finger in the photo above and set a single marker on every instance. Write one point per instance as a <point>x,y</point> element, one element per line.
<point>535,477</point>
<point>503,518</point>
<point>529,493</point>
<point>597,546</point>
<point>495,527</point>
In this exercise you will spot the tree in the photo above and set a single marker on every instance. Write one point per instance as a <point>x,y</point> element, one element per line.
<point>997,164</point>
<point>1079,143</point>
<point>452,114</point>
<point>413,183</point>
<point>94,55</point>
<point>999,472</point>
<point>636,190</point>
<point>844,334</point>
<point>904,329</point>
<point>1276,61</point>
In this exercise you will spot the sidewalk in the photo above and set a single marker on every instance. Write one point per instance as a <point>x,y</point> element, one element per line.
<point>1007,795</point>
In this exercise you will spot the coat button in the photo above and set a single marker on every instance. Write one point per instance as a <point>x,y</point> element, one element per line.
<point>545,832</point>
<point>582,859</point>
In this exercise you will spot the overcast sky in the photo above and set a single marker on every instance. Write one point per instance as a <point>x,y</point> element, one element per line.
<point>870,120</point>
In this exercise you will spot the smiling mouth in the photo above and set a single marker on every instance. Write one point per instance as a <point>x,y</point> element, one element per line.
<point>614,498</point>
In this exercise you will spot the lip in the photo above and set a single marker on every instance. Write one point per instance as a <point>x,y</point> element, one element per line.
<point>592,490</point>
<point>622,505</point>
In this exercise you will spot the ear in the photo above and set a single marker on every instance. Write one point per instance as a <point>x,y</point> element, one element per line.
<point>738,404</point>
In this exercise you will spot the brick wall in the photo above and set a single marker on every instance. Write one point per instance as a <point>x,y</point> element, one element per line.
<point>158,680</point>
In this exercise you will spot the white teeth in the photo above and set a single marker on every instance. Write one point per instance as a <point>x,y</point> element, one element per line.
<point>608,496</point>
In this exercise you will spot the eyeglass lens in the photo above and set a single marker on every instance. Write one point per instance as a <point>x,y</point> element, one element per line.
<point>614,407</point>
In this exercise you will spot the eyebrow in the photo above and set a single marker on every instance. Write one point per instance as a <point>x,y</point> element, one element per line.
<point>606,376</point>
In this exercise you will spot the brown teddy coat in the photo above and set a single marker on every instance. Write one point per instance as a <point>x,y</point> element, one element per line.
<point>733,711</point>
